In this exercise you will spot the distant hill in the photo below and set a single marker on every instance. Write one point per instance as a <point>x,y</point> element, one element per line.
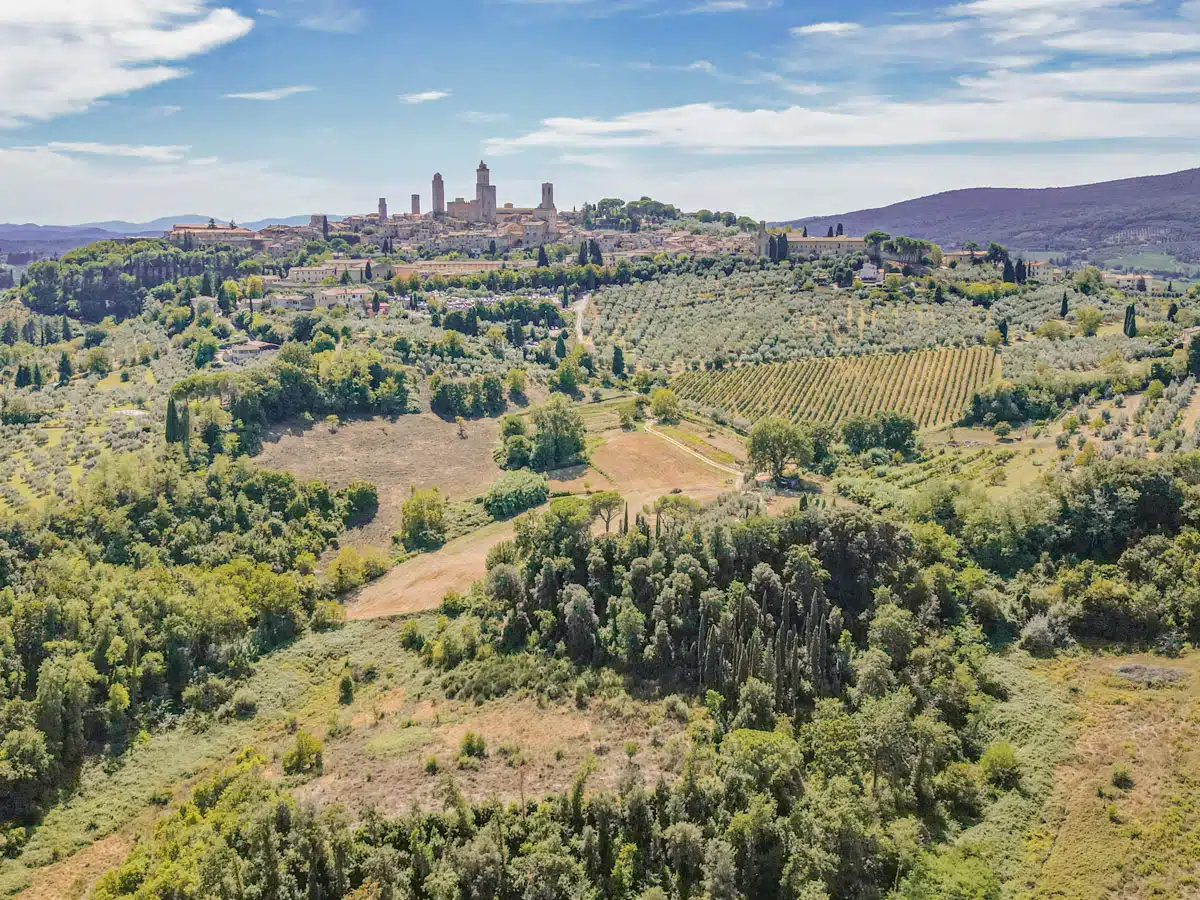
<point>58,239</point>
<point>1161,212</point>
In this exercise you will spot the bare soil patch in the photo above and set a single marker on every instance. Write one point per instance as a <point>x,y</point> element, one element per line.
<point>421,450</point>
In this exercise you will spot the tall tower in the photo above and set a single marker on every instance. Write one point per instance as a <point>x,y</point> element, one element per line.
<point>547,195</point>
<point>383,209</point>
<point>439,195</point>
<point>485,194</point>
<point>416,204</point>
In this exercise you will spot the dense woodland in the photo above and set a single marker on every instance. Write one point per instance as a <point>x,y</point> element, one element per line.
<point>142,599</point>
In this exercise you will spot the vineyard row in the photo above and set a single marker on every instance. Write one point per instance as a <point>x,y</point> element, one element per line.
<point>931,386</point>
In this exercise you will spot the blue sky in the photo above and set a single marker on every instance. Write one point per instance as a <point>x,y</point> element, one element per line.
<point>775,108</point>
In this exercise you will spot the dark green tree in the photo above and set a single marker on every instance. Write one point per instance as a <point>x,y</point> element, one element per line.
<point>172,426</point>
<point>618,361</point>
<point>65,369</point>
<point>1066,307</point>
<point>542,260</point>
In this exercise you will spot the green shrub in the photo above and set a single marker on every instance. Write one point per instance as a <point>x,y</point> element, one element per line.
<point>960,787</point>
<point>515,492</point>
<point>411,636</point>
<point>1000,766</point>
<point>346,690</point>
<point>306,756</point>
<point>473,745</point>
<point>1121,778</point>
<point>244,705</point>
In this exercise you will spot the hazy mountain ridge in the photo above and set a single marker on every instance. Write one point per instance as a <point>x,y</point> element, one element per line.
<point>1156,211</point>
<point>50,239</point>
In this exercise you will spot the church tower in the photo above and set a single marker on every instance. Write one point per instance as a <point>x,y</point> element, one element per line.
<point>383,216</point>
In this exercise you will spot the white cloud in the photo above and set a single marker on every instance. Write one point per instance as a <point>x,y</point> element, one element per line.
<point>707,127</point>
<point>274,94</point>
<point>335,16</point>
<point>62,56</point>
<point>150,152</point>
<point>1113,42</point>
<point>167,110</point>
<point>591,160</point>
<point>482,118</point>
<point>835,28</point>
<point>423,97</point>
<point>43,185</point>
<point>1171,78</point>
<point>730,6</point>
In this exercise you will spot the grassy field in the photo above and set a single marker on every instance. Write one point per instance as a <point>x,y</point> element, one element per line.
<point>395,455</point>
<point>641,466</point>
<point>1124,817</point>
<point>375,750</point>
<point>1153,262</point>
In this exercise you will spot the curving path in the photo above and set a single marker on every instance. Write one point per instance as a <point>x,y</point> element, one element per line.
<point>737,473</point>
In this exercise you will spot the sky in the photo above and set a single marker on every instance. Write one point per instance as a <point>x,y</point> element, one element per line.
<point>135,109</point>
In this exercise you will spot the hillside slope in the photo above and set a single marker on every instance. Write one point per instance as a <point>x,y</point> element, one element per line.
<point>1161,211</point>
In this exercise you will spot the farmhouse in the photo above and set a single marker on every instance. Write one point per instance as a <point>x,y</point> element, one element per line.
<point>210,235</point>
<point>240,353</point>
<point>347,296</point>
<point>301,302</point>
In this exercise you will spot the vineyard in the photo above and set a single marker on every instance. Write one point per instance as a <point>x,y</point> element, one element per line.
<point>931,386</point>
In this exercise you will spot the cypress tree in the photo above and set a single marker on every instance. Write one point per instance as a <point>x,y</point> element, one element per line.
<point>38,378</point>
<point>1193,360</point>
<point>583,253</point>
<point>830,234</point>
<point>1172,312</point>
<point>66,329</point>
<point>542,260</point>
<point>1065,307</point>
<point>618,361</point>
<point>185,428</point>
<point>206,285</point>
<point>560,347</point>
<point>1003,326</point>
<point>566,300</point>
<point>172,426</point>
<point>1010,274</point>
<point>65,369</point>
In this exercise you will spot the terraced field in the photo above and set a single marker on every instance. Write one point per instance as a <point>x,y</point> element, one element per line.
<point>931,386</point>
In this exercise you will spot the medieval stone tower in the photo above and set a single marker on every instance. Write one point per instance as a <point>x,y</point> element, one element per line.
<point>485,194</point>
<point>439,195</point>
